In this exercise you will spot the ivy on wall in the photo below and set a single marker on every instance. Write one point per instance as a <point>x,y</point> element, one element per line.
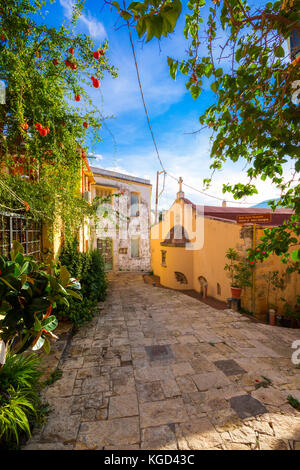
<point>49,73</point>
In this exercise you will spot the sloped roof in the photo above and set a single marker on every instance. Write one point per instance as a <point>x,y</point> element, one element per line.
<point>231,213</point>
<point>115,174</point>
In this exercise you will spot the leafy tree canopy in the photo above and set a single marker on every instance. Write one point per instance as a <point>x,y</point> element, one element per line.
<point>255,114</point>
<point>48,113</point>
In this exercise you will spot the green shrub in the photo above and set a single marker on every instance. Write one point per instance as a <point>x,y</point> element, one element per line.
<point>93,279</point>
<point>88,268</point>
<point>293,402</point>
<point>78,313</point>
<point>20,371</point>
<point>20,404</point>
<point>14,410</point>
<point>72,259</point>
<point>28,294</point>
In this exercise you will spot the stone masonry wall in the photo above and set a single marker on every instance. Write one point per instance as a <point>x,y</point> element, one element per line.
<point>120,226</point>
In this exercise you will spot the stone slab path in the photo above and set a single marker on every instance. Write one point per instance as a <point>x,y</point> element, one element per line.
<point>213,380</point>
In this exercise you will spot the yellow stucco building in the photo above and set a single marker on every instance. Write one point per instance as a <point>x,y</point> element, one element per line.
<point>189,245</point>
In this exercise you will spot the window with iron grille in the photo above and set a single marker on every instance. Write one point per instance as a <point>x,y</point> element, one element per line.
<point>26,231</point>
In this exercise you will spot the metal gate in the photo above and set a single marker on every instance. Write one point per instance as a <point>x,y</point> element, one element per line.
<point>26,231</point>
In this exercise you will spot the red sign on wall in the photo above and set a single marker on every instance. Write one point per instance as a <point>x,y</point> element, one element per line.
<point>254,218</point>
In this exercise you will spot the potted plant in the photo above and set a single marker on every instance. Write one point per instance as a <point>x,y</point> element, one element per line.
<point>291,315</point>
<point>272,316</point>
<point>239,272</point>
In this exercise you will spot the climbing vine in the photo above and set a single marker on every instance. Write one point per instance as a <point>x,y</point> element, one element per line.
<point>48,114</point>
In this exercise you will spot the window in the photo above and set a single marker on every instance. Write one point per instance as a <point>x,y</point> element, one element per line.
<point>26,231</point>
<point>180,277</point>
<point>104,193</point>
<point>134,204</point>
<point>135,247</point>
<point>163,257</point>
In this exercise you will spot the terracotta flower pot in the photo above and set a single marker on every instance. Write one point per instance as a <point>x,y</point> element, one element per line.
<point>236,292</point>
<point>272,317</point>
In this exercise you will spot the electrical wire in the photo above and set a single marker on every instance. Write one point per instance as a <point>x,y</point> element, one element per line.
<point>7,188</point>
<point>142,94</point>
<point>24,203</point>
<point>204,193</point>
<point>152,134</point>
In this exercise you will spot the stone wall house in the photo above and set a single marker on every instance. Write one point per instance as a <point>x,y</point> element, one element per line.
<point>122,232</point>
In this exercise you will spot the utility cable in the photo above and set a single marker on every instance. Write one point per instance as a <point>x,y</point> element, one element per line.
<point>150,127</point>
<point>204,193</point>
<point>142,94</point>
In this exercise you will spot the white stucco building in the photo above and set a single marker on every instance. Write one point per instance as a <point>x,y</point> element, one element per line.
<point>122,233</point>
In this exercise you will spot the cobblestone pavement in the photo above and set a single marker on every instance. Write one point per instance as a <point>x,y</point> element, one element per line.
<point>214,380</point>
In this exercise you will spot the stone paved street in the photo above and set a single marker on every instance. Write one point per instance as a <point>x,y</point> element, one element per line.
<point>215,380</point>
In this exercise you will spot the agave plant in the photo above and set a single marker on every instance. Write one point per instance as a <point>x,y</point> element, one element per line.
<point>28,295</point>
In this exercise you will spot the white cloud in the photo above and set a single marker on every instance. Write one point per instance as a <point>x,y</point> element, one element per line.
<point>95,28</point>
<point>119,169</point>
<point>192,164</point>
<point>122,95</point>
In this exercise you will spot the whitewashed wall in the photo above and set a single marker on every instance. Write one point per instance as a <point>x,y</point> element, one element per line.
<point>120,226</point>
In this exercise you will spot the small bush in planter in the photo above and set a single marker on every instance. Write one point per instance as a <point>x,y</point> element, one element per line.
<point>239,272</point>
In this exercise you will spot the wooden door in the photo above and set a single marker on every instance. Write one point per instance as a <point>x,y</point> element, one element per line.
<point>105,247</point>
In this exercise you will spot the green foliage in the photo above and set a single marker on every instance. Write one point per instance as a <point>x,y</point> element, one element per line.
<point>282,242</point>
<point>293,402</point>
<point>89,269</point>
<point>292,311</point>
<point>93,280</point>
<point>275,283</point>
<point>14,417</point>
<point>44,68</point>
<point>20,403</point>
<point>238,269</point>
<point>28,293</point>
<point>54,376</point>
<point>263,383</point>
<point>78,313</point>
<point>20,371</point>
<point>156,19</point>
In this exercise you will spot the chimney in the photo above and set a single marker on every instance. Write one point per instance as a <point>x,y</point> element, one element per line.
<point>224,204</point>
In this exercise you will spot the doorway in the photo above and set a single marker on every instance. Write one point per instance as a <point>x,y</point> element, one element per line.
<point>105,247</point>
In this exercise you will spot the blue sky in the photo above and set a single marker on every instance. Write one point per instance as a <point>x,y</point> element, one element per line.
<point>174,114</point>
